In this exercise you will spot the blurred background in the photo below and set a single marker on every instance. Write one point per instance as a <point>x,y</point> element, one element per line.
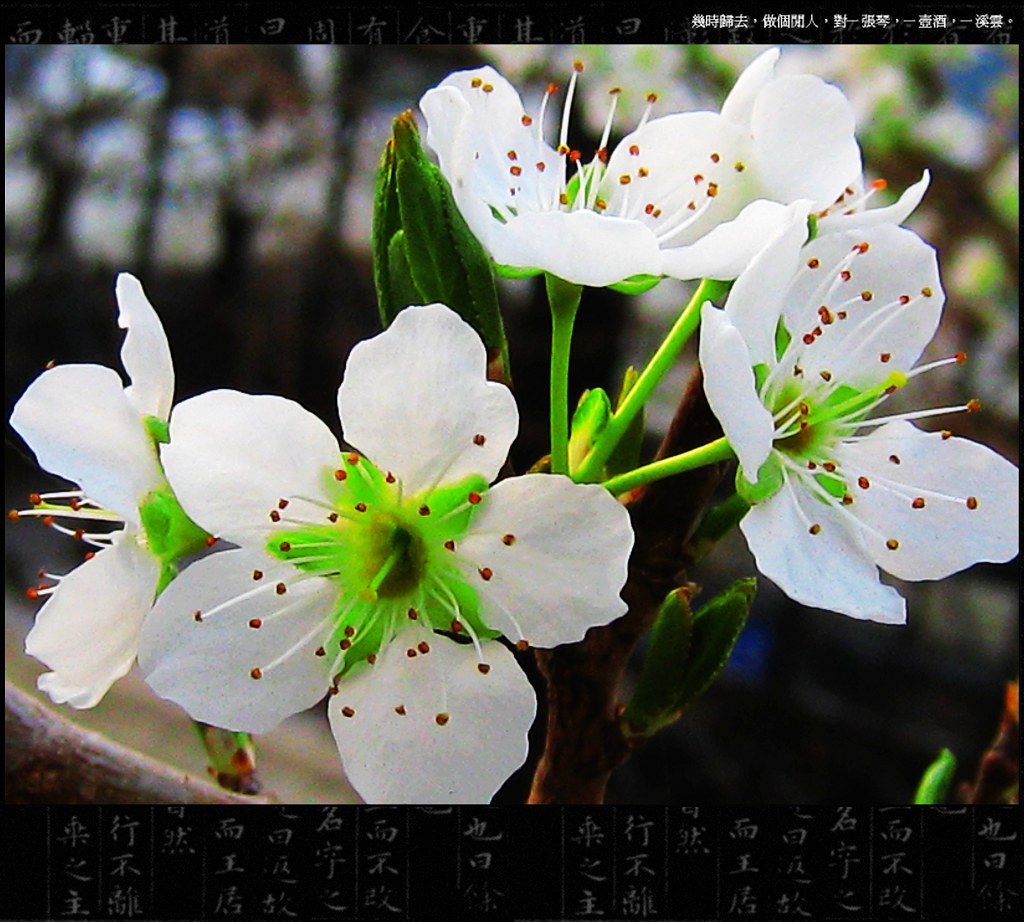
<point>236,183</point>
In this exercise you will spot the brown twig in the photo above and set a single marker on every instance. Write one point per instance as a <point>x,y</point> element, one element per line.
<point>49,760</point>
<point>584,743</point>
<point>998,776</point>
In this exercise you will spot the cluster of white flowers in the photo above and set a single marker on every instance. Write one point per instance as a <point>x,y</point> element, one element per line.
<point>689,195</point>
<point>380,577</point>
<point>385,574</point>
<point>728,196</point>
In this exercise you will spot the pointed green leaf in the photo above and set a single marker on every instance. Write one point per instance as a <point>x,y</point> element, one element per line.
<point>716,628</point>
<point>423,251</point>
<point>654,702</point>
<point>629,379</point>
<point>401,288</point>
<point>387,223</point>
<point>446,262</point>
<point>936,780</point>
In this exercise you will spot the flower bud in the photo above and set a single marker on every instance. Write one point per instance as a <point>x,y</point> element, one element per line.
<point>423,251</point>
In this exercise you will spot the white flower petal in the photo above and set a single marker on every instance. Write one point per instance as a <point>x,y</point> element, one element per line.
<point>878,335</point>
<point>758,297</point>
<point>205,666</point>
<point>473,133</point>
<point>730,389</point>
<point>447,112</point>
<point>726,250</point>
<point>804,135</point>
<point>582,247</point>
<point>827,570</point>
<point>739,104</point>
<point>683,169</point>
<point>412,758</point>
<point>945,535</point>
<point>146,355</point>
<point>87,632</point>
<point>451,135</point>
<point>80,424</point>
<point>232,456</point>
<point>461,116</point>
<point>562,570</point>
<point>896,213</point>
<point>415,400</point>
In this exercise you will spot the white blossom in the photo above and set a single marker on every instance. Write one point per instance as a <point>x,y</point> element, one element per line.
<point>384,576</point>
<point>812,341</point>
<point>86,426</point>
<point>687,195</point>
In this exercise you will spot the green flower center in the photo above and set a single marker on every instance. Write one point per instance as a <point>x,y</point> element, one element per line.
<point>393,557</point>
<point>809,421</point>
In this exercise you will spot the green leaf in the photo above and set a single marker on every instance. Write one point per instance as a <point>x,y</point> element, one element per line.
<point>716,628</point>
<point>655,701</point>
<point>629,379</point>
<point>422,248</point>
<point>402,290</point>
<point>936,780</point>
<point>387,223</point>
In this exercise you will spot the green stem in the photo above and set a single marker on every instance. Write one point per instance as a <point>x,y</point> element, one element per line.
<point>564,299</point>
<point>718,450</point>
<point>650,378</point>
